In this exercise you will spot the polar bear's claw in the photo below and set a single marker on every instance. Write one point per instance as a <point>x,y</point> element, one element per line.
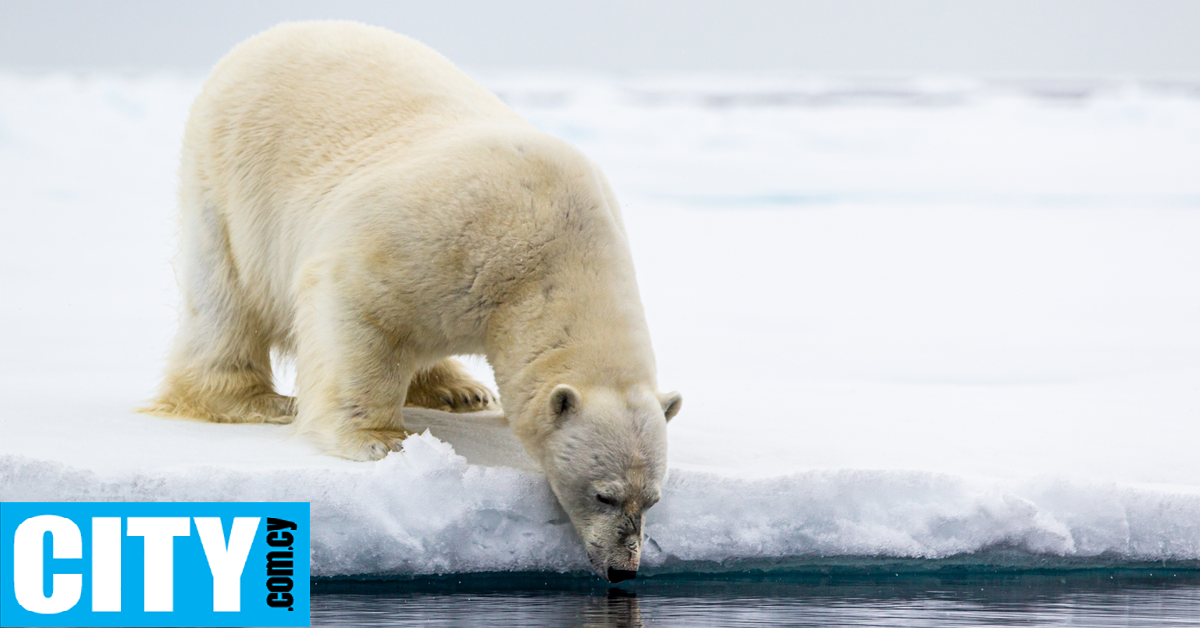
<point>377,444</point>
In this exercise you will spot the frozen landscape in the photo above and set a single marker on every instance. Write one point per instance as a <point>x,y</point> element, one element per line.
<point>911,320</point>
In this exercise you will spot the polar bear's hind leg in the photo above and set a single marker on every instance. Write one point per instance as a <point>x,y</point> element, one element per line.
<point>220,367</point>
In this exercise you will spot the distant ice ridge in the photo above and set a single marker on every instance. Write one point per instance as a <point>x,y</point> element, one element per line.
<point>427,511</point>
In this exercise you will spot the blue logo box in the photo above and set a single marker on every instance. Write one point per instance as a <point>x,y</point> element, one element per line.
<point>154,564</point>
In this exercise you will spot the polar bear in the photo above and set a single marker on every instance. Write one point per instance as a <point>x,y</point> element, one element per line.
<point>351,198</point>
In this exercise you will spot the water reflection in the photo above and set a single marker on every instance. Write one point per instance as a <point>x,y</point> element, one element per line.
<point>1089,599</point>
<point>617,609</point>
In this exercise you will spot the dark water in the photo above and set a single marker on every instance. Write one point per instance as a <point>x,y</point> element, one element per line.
<point>1094,598</point>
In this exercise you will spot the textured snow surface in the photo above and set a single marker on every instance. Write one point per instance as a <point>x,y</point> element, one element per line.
<point>910,320</point>
<point>428,511</point>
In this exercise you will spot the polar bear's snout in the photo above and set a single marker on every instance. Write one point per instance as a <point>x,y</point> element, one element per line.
<point>616,557</point>
<point>620,575</point>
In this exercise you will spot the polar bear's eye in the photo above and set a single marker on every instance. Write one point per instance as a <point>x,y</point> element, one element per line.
<point>607,501</point>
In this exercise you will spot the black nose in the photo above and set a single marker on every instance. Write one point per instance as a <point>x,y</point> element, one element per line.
<point>620,575</point>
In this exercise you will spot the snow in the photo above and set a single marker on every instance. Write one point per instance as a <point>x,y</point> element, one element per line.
<point>929,319</point>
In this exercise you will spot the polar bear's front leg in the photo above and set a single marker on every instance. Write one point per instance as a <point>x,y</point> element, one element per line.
<point>351,378</point>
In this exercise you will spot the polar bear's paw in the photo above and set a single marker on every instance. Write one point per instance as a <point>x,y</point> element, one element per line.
<point>447,387</point>
<point>376,444</point>
<point>254,408</point>
<point>271,408</point>
<point>465,397</point>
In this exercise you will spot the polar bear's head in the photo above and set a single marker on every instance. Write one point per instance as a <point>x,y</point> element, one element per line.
<point>605,458</point>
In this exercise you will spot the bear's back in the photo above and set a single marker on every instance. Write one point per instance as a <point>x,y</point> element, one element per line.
<point>314,98</point>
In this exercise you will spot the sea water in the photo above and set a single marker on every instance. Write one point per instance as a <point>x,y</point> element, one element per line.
<point>1093,598</point>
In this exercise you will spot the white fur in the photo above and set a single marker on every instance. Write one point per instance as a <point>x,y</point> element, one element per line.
<point>352,198</point>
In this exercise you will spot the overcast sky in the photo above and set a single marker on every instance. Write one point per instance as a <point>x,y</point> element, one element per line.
<point>1137,38</point>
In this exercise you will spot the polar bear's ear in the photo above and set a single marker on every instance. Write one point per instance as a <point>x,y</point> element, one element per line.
<point>670,403</point>
<point>564,400</point>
